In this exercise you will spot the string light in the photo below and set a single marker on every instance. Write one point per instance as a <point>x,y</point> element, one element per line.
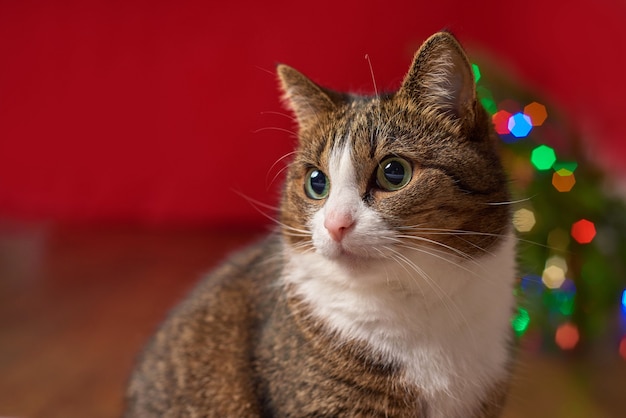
<point>558,239</point>
<point>567,336</point>
<point>476,72</point>
<point>563,180</point>
<point>520,321</point>
<point>583,231</point>
<point>535,168</point>
<point>543,157</point>
<point>486,99</point>
<point>568,166</point>
<point>519,125</point>
<point>500,121</point>
<point>536,112</point>
<point>553,277</point>
<point>524,220</point>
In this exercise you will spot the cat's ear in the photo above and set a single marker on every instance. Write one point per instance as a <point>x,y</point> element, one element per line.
<point>305,98</point>
<point>441,76</point>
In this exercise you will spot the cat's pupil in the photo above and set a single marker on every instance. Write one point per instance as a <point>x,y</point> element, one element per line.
<point>394,172</point>
<point>318,182</point>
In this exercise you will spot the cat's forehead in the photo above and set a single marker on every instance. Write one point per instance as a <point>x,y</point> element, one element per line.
<point>368,126</point>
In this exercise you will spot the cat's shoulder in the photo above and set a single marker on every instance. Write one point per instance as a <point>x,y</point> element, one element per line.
<point>241,276</point>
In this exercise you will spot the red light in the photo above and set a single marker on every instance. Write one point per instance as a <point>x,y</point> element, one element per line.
<point>501,122</point>
<point>583,231</point>
<point>622,348</point>
<point>567,336</point>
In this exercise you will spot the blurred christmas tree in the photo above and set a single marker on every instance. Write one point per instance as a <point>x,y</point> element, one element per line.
<point>572,230</point>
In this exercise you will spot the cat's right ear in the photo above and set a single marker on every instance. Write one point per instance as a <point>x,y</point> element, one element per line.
<point>306,99</point>
<point>441,77</point>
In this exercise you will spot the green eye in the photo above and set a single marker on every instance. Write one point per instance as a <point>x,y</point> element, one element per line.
<point>316,184</point>
<point>393,173</point>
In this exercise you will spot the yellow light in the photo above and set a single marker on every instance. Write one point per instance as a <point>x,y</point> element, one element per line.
<point>554,273</point>
<point>524,220</point>
<point>557,261</point>
<point>553,277</point>
<point>558,239</point>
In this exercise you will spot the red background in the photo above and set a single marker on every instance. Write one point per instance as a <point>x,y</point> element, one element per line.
<point>160,111</point>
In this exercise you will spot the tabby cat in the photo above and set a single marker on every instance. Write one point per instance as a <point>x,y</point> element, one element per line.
<point>385,291</point>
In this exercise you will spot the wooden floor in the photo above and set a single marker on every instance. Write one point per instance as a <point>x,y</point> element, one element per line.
<point>76,305</point>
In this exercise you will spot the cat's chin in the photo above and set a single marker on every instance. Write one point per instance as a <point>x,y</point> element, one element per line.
<point>347,256</point>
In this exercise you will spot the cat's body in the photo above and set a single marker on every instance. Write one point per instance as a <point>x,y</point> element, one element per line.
<point>387,290</point>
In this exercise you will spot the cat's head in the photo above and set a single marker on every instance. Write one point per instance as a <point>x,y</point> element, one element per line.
<point>374,175</point>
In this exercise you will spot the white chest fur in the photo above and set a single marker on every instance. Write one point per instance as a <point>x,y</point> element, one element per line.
<point>444,320</point>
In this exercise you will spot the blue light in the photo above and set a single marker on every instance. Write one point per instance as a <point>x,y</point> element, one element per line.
<point>624,299</point>
<point>520,125</point>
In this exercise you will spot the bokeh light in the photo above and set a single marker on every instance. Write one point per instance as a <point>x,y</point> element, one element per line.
<point>532,285</point>
<point>476,71</point>
<point>486,99</point>
<point>524,220</point>
<point>558,261</point>
<point>519,125</point>
<point>624,299</point>
<point>622,348</point>
<point>553,276</point>
<point>568,166</point>
<point>558,239</point>
<point>543,157</point>
<point>500,121</point>
<point>537,113</point>
<point>563,299</point>
<point>567,336</point>
<point>583,231</point>
<point>563,180</point>
<point>520,321</point>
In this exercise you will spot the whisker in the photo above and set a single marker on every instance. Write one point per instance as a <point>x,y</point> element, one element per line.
<point>256,204</point>
<point>283,114</point>
<point>511,202</point>
<point>443,231</point>
<point>289,154</point>
<point>275,128</point>
<point>430,252</point>
<point>443,297</point>
<point>441,244</point>
<point>440,254</point>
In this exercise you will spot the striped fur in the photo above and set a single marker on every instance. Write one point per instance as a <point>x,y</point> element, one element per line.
<point>365,302</point>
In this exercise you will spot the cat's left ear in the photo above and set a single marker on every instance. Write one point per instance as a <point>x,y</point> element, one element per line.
<point>305,98</point>
<point>441,76</point>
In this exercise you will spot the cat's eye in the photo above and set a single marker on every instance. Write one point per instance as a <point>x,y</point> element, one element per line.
<point>393,173</point>
<point>316,184</point>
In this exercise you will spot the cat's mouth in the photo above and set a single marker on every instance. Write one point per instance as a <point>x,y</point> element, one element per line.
<point>350,254</point>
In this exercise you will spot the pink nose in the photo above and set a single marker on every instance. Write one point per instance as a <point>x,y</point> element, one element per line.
<point>338,224</point>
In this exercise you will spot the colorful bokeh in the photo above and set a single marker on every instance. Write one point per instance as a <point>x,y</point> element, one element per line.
<point>583,231</point>
<point>543,157</point>
<point>563,180</point>
<point>571,281</point>
<point>537,113</point>
<point>567,336</point>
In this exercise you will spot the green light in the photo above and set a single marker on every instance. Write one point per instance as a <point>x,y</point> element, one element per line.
<point>570,166</point>
<point>476,71</point>
<point>520,321</point>
<point>486,99</point>
<point>543,157</point>
<point>566,304</point>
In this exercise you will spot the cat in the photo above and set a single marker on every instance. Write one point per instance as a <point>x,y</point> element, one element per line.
<point>387,288</point>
